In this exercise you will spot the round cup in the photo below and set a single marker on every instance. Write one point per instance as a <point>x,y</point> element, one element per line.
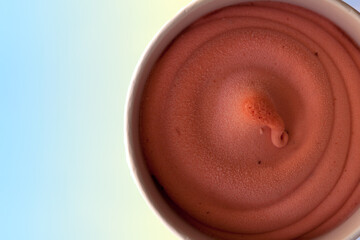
<point>337,11</point>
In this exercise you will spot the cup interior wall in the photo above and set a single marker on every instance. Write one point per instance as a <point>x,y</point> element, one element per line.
<point>338,12</point>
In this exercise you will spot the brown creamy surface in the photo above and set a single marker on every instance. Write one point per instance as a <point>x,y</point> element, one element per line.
<point>225,169</point>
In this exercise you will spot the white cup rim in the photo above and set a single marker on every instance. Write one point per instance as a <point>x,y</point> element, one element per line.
<point>134,157</point>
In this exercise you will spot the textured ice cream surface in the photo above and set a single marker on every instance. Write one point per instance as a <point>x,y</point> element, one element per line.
<point>250,122</point>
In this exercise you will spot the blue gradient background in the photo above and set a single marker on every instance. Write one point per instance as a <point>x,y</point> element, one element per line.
<point>65,67</point>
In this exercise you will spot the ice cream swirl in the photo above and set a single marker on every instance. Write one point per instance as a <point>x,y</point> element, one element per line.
<point>231,175</point>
